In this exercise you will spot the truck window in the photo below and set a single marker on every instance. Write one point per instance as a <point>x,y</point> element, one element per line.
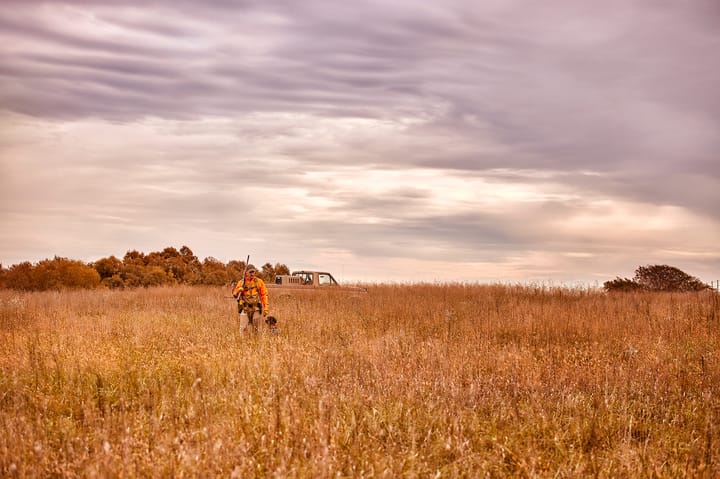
<point>306,277</point>
<point>325,278</point>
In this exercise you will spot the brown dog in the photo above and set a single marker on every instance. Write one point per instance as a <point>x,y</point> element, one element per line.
<point>271,321</point>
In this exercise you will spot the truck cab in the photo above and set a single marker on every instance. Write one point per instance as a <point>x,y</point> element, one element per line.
<point>306,278</point>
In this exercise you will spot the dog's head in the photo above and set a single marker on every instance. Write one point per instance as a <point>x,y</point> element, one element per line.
<point>271,321</point>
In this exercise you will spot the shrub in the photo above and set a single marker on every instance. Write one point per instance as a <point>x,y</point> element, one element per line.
<point>657,278</point>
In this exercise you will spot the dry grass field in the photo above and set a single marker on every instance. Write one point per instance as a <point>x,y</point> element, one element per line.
<point>404,381</point>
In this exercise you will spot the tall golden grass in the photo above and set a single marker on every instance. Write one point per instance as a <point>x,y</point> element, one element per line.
<point>404,381</point>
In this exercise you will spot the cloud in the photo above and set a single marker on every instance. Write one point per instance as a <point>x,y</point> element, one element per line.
<point>518,137</point>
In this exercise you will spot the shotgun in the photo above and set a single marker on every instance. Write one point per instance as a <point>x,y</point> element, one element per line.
<point>247,262</point>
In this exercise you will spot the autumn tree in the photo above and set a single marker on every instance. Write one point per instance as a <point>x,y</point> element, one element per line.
<point>155,263</point>
<point>70,273</point>
<point>214,272</point>
<point>656,278</point>
<point>269,272</point>
<point>281,269</point>
<point>110,271</point>
<point>235,269</point>
<point>19,276</point>
<point>173,264</point>
<point>132,274</point>
<point>191,266</point>
<point>666,278</point>
<point>57,273</point>
<point>134,257</point>
<point>154,275</point>
<point>624,285</point>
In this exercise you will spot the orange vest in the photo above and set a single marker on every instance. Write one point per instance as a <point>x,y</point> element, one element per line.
<point>254,291</point>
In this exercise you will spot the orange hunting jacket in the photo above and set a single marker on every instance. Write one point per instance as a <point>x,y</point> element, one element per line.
<point>255,288</point>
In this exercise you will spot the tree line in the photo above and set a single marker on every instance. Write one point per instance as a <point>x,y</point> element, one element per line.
<point>136,269</point>
<point>172,267</point>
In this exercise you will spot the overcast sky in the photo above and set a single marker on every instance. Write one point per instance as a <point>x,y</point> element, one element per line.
<point>560,141</point>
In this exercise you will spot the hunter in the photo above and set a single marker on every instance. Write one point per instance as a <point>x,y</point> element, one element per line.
<point>252,296</point>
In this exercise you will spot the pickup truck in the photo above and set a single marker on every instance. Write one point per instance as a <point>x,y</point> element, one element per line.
<point>309,280</point>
